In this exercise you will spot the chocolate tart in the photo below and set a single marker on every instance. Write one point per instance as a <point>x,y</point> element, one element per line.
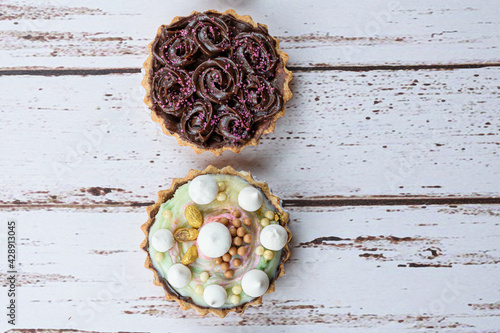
<point>216,81</point>
<point>173,202</point>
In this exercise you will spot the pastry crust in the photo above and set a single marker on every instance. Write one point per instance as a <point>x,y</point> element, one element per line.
<point>163,196</point>
<point>146,83</point>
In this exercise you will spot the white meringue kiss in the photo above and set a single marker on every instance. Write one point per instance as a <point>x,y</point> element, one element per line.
<point>214,240</point>
<point>179,276</point>
<point>215,295</point>
<point>250,199</point>
<point>273,237</point>
<point>162,240</point>
<point>203,189</point>
<point>255,283</point>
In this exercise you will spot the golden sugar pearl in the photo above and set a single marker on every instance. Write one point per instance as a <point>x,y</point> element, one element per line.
<point>259,250</point>
<point>167,214</point>
<point>232,231</point>
<point>232,251</point>
<point>265,222</point>
<point>222,186</point>
<point>236,289</point>
<point>199,289</point>
<point>159,256</point>
<point>268,255</point>
<point>224,221</point>
<point>218,261</point>
<point>247,221</point>
<point>237,262</point>
<point>237,222</point>
<point>226,257</point>
<point>242,251</point>
<point>235,299</point>
<point>229,273</point>
<point>269,215</point>
<point>204,276</point>
<point>247,238</point>
<point>237,213</point>
<point>224,266</point>
<point>237,241</point>
<point>241,231</point>
<point>221,196</point>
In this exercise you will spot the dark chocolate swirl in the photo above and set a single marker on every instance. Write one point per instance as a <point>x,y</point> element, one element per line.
<point>210,33</point>
<point>255,53</point>
<point>261,98</point>
<point>175,49</point>
<point>216,80</point>
<point>197,122</point>
<point>171,89</point>
<point>232,125</point>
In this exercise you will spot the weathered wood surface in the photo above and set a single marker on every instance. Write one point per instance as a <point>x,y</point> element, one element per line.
<point>368,268</point>
<point>108,34</point>
<point>429,132</point>
<point>391,174</point>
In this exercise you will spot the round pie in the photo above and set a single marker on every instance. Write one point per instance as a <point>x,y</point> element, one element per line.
<point>216,241</point>
<point>216,81</point>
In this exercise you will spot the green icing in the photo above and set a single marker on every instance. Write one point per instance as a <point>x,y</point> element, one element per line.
<point>176,205</point>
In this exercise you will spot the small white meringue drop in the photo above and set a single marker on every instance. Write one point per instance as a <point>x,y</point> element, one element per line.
<point>250,199</point>
<point>179,275</point>
<point>255,283</point>
<point>215,295</point>
<point>214,240</point>
<point>273,237</point>
<point>203,189</point>
<point>163,240</point>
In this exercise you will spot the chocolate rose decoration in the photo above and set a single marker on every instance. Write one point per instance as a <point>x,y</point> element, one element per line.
<point>216,80</point>
<point>175,49</point>
<point>261,98</point>
<point>233,125</point>
<point>171,89</point>
<point>210,33</point>
<point>255,53</point>
<point>198,123</point>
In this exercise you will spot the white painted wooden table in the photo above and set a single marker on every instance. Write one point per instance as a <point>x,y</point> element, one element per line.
<point>387,158</point>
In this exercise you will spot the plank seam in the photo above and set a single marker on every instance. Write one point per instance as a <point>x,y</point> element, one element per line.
<point>394,67</point>
<point>303,202</point>
<point>110,71</point>
<point>389,201</point>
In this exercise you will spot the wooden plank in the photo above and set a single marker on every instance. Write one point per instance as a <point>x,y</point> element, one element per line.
<point>321,33</point>
<point>423,133</point>
<point>364,268</point>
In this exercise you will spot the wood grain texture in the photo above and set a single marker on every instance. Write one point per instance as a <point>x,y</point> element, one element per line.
<point>390,269</point>
<point>387,159</point>
<point>426,132</point>
<point>315,33</point>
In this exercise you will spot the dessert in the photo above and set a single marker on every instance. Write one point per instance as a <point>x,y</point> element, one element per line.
<point>216,256</point>
<point>216,81</point>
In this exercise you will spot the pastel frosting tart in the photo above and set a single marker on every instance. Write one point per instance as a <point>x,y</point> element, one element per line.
<point>216,241</point>
<point>216,81</point>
